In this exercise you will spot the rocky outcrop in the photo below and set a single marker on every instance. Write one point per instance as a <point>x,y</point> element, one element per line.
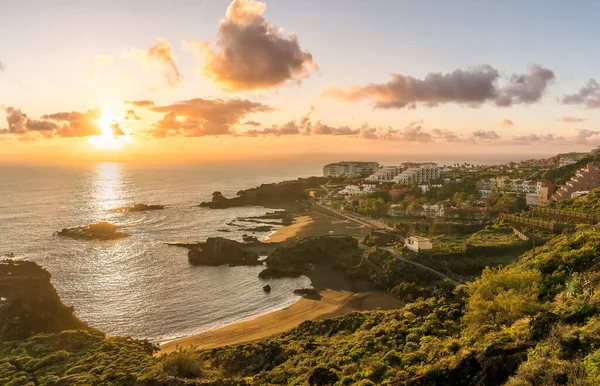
<point>306,291</point>
<point>99,231</point>
<point>29,303</point>
<point>269,195</point>
<point>138,208</point>
<point>260,228</point>
<point>267,288</point>
<point>272,273</point>
<point>220,251</point>
<point>311,250</point>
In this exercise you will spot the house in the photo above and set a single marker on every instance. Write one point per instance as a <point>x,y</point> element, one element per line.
<point>431,211</point>
<point>417,243</point>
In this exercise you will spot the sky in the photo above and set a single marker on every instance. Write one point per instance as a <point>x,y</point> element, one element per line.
<point>213,80</point>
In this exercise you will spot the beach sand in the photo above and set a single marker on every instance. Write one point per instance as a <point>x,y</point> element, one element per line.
<point>337,295</point>
<point>333,303</point>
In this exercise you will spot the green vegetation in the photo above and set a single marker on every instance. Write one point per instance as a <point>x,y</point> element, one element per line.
<point>590,203</point>
<point>559,176</point>
<point>497,235</point>
<point>535,321</point>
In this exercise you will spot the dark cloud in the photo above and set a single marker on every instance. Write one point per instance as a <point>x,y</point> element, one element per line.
<point>140,103</point>
<point>526,88</point>
<point>471,87</point>
<point>76,124</point>
<point>200,117</point>
<point>251,123</point>
<point>588,96</point>
<point>570,119</point>
<point>131,115</point>
<point>485,135</point>
<point>251,53</point>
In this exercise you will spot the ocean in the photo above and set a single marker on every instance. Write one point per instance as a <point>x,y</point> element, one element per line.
<point>139,286</point>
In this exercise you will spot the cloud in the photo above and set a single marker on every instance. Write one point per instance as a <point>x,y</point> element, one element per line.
<point>161,53</point>
<point>21,125</point>
<point>570,119</point>
<point>76,124</point>
<point>200,117</point>
<point>131,115</point>
<point>140,103</point>
<point>2,67</point>
<point>485,135</point>
<point>471,87</point>
<point>506,122</point>
<point>103,60</point>
<point>445,135</point>
<point>588,96</point>
<point>526,88</point>
<point>250,53</point>
<point>536,138</point>
<point>17,121</point>
<point>251,123</point>
<point>584,136</point>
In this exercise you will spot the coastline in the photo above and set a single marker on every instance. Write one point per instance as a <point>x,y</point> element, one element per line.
<point>337,295</point>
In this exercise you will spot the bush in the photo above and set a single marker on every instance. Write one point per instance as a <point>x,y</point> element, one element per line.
<point>182,363</point>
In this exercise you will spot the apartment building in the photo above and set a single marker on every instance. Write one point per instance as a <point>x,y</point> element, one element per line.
<point>584,179</point>
<point>350,169</point>
<point>418,174</point>
<point>357,190</point>
<point>385,174</point>
<point>536,192</point>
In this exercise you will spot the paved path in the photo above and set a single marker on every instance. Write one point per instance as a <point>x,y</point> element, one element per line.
<point>397,256</point>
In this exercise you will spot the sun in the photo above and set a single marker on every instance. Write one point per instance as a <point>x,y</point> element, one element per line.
<point>109,140</point>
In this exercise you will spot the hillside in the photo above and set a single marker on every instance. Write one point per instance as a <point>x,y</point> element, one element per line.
<point>590,203</point>
<point>533,322</point>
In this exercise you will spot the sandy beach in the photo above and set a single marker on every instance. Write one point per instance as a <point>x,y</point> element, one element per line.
<point>333,303</point>
<point>338,296</point>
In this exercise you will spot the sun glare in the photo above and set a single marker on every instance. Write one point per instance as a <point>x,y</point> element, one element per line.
<point>109,140</point>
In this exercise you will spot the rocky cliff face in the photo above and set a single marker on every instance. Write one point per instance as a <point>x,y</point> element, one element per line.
<point>29,304</point>
<point>219,251</point>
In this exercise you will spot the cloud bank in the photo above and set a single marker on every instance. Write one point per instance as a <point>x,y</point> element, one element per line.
<point>250,53</point>
<point>472,87</point>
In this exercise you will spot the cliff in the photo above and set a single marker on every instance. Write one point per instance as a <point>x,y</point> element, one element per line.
<point>29,303</point>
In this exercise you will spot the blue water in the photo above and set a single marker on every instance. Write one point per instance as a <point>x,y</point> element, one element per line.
<point>139,286</point>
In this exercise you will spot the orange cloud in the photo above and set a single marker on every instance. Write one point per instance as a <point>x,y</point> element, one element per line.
<point>251,53</point>
<point>161,53</point>
<point>201,117</point>
<point>506,122</point>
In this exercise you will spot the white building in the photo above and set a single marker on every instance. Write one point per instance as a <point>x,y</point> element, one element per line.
<point>350,169</point>
<point>385,174</point>
<point>357,190</point>
<point>417,243</point>
<point>426,188</point>
<point>418,174</point>
<point>432,211</point>
<point>567,162</point>
<point>579,193</point>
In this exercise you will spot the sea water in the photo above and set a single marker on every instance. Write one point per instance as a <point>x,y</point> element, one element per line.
<point>139,286</point>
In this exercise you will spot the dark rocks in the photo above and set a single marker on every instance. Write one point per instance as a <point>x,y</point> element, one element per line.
<point>29,303</point>
<point>250,239</point>
<point>272,273</point>
<point>138,208</point>
<point>223,230</point>
<point>306,291</point>
<point>99,231</point>
<point>219,251</point>
<point>261,228</point>
<point>267,288</point>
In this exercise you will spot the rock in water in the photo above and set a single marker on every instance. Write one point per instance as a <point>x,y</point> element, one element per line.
<point>272,273</point>
<point>267,288</point>
<point>219,251</point>
<point>306,291</point>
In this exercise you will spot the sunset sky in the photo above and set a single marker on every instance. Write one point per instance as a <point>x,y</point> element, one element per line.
<point>289,79</point>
